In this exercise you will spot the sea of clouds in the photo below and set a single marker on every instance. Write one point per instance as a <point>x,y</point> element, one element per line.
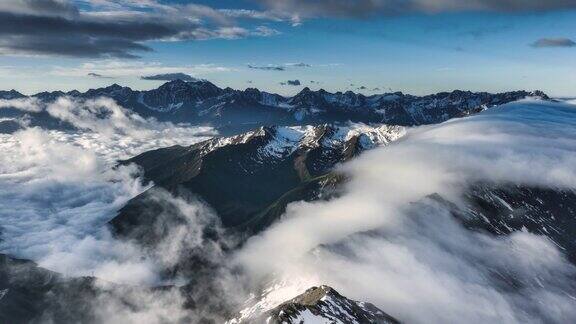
<point>59,188</point>
<point>382,241</point>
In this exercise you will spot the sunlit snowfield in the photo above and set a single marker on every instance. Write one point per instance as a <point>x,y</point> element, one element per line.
<point>58,189</point>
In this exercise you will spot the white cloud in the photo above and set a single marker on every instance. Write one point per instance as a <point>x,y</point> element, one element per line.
<point>59,189</point>
<point>415,261</point>
<point>24,104</point>
<point>265,31</point>
<point>253,14</point>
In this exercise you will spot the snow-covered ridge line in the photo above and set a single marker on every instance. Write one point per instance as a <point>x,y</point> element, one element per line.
<point>282,141</point>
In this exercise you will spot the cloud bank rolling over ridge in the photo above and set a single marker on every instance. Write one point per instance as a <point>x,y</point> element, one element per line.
<point>393,246</point>
<point>406,253</point>
<point>60,188</point>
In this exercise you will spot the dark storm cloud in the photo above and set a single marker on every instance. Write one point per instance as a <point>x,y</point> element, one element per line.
<point>169,77</point>
<point>554,42</point>
<point>363,8</point>
<point>81,36</point>
<point>51,6</point>
<point>135,29</point>
<point>73,46</point>
<point>57,27</point>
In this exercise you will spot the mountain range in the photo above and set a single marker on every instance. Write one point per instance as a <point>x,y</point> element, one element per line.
<point>232,111</point>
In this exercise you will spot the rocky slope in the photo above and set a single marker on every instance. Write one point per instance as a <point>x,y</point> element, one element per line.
<point>248,179</point>
<point>30,294</point>
<point>502,210</point>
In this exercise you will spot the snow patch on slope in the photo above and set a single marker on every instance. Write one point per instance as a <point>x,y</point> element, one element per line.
<point>170,107</point>
<point>270,298</point>
<point>287,140</point>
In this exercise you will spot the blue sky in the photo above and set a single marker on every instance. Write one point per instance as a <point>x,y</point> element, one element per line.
<point>412,52</point>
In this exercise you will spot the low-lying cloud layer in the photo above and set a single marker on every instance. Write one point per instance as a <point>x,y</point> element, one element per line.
<point>60,188</point>
<point>383,241</point>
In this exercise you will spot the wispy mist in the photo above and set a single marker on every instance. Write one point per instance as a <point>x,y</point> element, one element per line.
<point>59,189</point>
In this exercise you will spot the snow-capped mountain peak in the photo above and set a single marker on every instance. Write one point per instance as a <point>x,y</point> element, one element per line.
<point>281,141</point>
<point>321,304</point>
